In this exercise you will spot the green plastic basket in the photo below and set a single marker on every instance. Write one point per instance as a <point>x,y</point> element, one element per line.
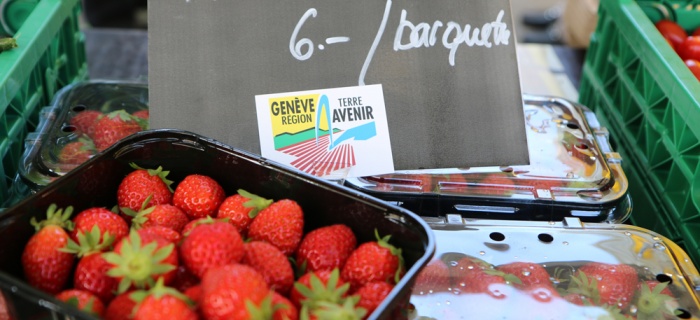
<point>650,101</point>
<point>50,55</point>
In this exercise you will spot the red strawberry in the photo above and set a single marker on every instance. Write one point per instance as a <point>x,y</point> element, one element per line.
<point>113,127</point>
<point>164,215</point>
<point>45,265</point>
<point>85,121</point>
<point>161,302</point>
<point>241,208</point>
<point>76,152</point>
<point>324,285</point>
<point>283,308</point>
<point>139,259</point>
<point>530,274</point>
<point>91,275</point>
<point>163,232</point>
<point>271,263</point>
<point>227,289</point>
<point>121,307</point>
<point>472,275</point>
<point>198,196</point>
<point>373,261</point>
<point>606,284</point>
<point>107,221</point>
<point>142,184</point>
<point>435,277</point>
<point>372,295</point>
<point>83,300</point>
<point>194,293</point>
<point>91,271</point>
<point>326,248</point>
<point>143,114</point>
<point>281,224</point>
<point>209,245</point>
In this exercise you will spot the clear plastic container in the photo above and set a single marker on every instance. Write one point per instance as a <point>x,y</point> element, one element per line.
<point>560,248</point>
<point>573,172</point>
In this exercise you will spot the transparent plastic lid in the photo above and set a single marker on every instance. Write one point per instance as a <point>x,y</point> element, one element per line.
<point>487,269</point>
<point>84,119</point>
<point>571,162</point>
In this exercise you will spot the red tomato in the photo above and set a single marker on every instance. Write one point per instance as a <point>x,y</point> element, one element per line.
<point>694,67</point>
<point>672,31</point>
<point>690,48</point>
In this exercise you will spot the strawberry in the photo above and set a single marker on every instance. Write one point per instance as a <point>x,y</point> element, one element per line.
<point>165,215</point>
<point>530,274</point>
<point>198,196</point>
<point>435,277</point>
<point>283,308</point>
<point>113,127</point>
<point>161,302</point>
<point>139,259</point>
<point>142,184</point>
<point>372,294</point>
<point>271,263</point>
<point>7,310</point>
<point>373,261</point>
<point>228,290</point>
<point>121,307</point>
<point>472,275</point>
<point>107,221</point>
<point>655,301</point>
<point>194,293</point>
<point>326,248</point>
<point>45,266</point>
<point>163,232</point>
<point>211,244</point>
<point>605,284</point>
<point>85,121</point>
<point>83,300</point>
<point>281,224</point>
<point>91,271</point>
<point>143,114</point>
<point>76,152</point>
<point>241,208</point>
<point>315,286</point>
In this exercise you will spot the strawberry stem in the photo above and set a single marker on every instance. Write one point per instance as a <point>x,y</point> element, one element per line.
<point>256,202</point>
<point>55,217</point>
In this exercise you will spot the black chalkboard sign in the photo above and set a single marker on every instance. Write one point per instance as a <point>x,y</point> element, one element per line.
<point>448,69</point>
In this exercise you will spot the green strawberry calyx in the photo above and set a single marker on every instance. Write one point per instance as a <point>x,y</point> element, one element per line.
<point>585,286</point>
<point>137,264</point>
<point>256,202</point>
<point>205,220</point>
<point>325,310</point>
<point>158,291</point>
<point>652,304</point>
<point>89,242</point>
<point>89,306</point>
<point>318,292</point>
<point>55,217</point>
<point>157,172</point>
<point>140,217</point>
<point>265,310</point>
<point>384,243</point>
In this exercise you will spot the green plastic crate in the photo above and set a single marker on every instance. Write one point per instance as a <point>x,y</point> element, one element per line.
<point>650,102</point>
<point>50,55</point>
